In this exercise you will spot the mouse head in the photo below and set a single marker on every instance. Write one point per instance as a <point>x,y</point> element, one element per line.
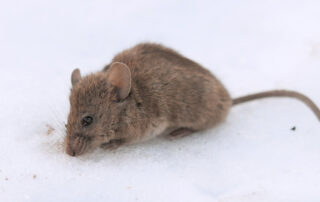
<point>95,103</point>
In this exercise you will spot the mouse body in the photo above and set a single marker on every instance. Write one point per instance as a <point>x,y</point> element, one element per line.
<point>164,94</point>
<point>147,91</point>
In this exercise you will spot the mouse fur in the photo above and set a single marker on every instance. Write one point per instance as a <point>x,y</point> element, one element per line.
<point>145,91</point>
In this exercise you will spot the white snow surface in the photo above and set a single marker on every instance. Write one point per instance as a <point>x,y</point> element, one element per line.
<point>249,45</point>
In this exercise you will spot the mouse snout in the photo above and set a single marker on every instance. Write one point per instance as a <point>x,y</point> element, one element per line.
<point>70,151</point>
<point>76,146</point>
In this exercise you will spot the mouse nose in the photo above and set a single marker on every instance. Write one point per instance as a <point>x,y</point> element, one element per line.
<point>70,151</point>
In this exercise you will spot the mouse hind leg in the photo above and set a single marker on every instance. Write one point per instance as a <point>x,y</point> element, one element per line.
<point>187,129</point>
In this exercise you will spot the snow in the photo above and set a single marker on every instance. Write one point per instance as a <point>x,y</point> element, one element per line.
<point>250,45</point>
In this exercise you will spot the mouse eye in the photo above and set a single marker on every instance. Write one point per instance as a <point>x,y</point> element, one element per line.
<point>86,121</point>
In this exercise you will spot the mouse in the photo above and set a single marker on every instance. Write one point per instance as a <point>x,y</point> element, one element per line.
<point>147,91</point>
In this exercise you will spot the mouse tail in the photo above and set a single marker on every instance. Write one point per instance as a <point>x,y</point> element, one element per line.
<point>279,93</point>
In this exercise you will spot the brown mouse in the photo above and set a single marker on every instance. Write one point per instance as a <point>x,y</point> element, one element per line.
<point>147,91</point>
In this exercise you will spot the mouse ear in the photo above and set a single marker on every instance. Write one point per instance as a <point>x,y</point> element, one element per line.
<point>119,76</point>
<point>75,76</point>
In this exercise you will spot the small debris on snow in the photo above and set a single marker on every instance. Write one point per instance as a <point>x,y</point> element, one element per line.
<point>50,129</point>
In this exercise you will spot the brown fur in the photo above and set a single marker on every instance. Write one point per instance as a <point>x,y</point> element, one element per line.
<point>168,92</point>
<point>146,91</point>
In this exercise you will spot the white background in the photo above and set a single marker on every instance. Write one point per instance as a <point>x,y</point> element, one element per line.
<point>249,45</point>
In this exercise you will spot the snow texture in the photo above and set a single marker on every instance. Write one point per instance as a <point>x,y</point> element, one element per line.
<point>250,45</point>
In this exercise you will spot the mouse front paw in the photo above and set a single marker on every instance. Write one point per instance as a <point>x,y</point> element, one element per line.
<point>112,144</point>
